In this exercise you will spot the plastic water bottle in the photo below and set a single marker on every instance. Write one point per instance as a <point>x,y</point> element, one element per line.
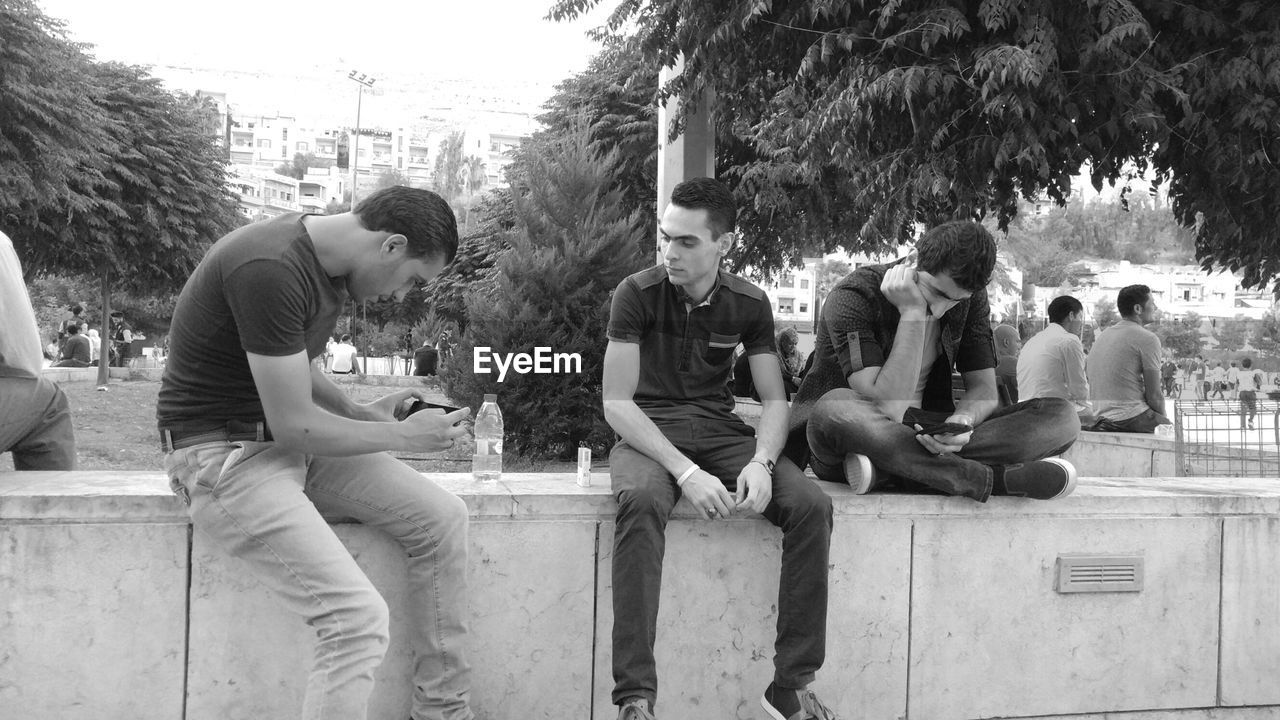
<point>486,464</point>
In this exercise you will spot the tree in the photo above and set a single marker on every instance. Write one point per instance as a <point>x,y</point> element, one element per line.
<point>1266,336</point>
<point>1231,334</point>
<point>570,246</point>
<point>861,120</point>
<point>390,178</point>
<point>1180,336</point>
<point>446,174</point>
<point>51,131</point>
<point>159,199</point>
<point>1105,313</point>
<point>297,169</point>
<point>826,274</point>
<point>474,177</point>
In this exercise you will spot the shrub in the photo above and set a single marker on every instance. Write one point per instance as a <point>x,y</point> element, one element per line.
<point>571,245</point>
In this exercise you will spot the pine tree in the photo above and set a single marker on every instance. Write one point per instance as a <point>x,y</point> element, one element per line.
<point>572,243</point>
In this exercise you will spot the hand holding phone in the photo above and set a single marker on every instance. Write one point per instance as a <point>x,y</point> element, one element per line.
<point>419,405</point>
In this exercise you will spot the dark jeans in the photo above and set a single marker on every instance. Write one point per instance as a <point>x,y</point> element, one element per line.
<point>1144,422</point>
<point>646,495</point>
<point>844,422</point>
<point>35,424</point>
<point>1248,406</point>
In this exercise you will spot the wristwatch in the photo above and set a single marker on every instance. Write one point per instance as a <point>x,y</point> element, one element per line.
<point>768,464</point>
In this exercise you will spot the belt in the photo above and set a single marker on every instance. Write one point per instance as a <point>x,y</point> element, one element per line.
<point>233,431</point>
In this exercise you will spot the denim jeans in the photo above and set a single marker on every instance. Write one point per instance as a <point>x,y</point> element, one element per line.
<point>1144,422</point>
<point>844,422</point>
<point>263,504</point>
<point>35,424</point>
<point>647,494</point>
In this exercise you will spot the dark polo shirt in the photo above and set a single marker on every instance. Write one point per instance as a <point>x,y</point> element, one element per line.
<point>856,331</point>
<point>686,352</point>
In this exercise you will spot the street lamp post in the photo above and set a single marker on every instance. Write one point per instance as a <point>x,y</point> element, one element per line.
<point>364,81</point>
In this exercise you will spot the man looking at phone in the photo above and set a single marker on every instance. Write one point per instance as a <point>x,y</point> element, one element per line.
<point>261,444</point>
<point>877,408</point>
<point>672,331</point>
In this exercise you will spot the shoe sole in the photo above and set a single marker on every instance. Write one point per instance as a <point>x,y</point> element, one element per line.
<point>860,473</point>
<point>770,709</point>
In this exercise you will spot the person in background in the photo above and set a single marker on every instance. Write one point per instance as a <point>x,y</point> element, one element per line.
<point>1202,378</point>
<point>121,340</point>
<point>1124,368</point>
<point>1008,346</point>
<point>1233,379</point>
<point>35,416</point>
<point>1218,381</point>
<point>1251,382</point>
<point>1168,375</point>
<point>75,350</point>
<point>425,359</point>
<point>1052,362</point>
<point>344,357</point>
<point>95,346</point>
<point>791,360</point>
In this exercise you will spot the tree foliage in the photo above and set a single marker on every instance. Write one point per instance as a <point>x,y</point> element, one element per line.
<point>1180,336</point>
<point>571,244</point>
<point>1266,336</point>
<point>1231,334</point>
<point>860,120</point>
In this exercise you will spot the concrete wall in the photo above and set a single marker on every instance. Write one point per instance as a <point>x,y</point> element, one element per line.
<point>941,608</point>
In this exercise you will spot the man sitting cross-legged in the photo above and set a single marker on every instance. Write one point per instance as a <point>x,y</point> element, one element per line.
<point>672,331</point>
<point>873,406</point>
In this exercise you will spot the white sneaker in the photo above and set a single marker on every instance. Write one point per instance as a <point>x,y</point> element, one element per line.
<point>859,472</point>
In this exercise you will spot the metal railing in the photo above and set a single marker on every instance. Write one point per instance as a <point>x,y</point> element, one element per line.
<point>1218,438</point>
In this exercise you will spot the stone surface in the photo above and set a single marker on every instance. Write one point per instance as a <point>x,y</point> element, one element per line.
<point>92,621</point>
<point>531,588</point>
<point>1122,454</point>
<point>990,637</point>
<point>1254,713</point>
<point>718,614</point>
<point>1250,611</point>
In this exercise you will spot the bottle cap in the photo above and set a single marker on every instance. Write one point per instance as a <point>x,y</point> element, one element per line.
<point>491,397</point>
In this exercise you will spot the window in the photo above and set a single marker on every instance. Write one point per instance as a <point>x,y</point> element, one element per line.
<point>785,306</point>
<point>804,285</point>
<point>788,280</point>
<point>264,143</point>
<point>303,147</point>
<point>284,134</point>
<point>804,307</point>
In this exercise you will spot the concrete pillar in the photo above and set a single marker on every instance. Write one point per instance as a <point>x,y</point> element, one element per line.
<point>690,155</point>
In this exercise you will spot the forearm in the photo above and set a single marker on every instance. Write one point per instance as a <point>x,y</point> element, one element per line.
<point>319,432</point>
<point>326,394</point>
<point>632,425</point>
<point>895,386</point>
<point>978,404</point>
<point>771,434</point>
<point>1153,392</point>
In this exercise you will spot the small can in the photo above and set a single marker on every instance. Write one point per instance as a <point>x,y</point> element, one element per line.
<point>584,467</point>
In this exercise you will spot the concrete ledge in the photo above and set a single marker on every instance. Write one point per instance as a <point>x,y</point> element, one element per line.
<point>941,608</point>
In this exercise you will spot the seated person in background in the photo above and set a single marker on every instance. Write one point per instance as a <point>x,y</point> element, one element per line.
<point>1052,361</point>
<point>76,350</point>
<point>743,385</point>
<point>672,331</point>
<point>1008,346</point>
<point>1124,368</point>
<point>425,359</point>
<point>344,357</point>
<point>791,360</point>
<point>35,417</point>
<point>879,394</point>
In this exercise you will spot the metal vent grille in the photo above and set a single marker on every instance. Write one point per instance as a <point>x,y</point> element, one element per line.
<point>1099,573</point>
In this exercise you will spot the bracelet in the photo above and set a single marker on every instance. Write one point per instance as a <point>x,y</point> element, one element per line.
<point>692,469</point>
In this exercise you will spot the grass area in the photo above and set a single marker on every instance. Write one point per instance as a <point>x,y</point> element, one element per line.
<point>116,430</point>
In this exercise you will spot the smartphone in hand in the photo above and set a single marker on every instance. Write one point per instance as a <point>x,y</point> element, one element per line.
<point>424,405</point>
<point>944,428</point>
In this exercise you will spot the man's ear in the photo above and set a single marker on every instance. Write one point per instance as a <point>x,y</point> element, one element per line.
<point>726,241</point>
<point>395,243</point>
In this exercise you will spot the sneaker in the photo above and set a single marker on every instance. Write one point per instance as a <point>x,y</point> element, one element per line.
<point>860,473</point>
<point>788,704</point>
<point>635,708</point>
<point>1041,480</point>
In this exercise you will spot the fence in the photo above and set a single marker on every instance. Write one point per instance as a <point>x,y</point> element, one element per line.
<point>1219,438</point>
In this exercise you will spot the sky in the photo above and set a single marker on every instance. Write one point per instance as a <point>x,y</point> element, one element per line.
<point>467,39</point>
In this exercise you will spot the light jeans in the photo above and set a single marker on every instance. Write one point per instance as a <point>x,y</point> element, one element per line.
<point>264,505</point>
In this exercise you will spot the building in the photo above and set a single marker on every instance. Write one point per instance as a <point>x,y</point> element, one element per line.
<point>267,194</point>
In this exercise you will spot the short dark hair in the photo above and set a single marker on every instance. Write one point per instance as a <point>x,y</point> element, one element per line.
<point>1131,295</point>
<point>1062,306</point>
<point>345,337</point>
<point>73,328</point>
<point>1246,363</point>
<point>961,248</point>
<point>422,216</point>
<point>76,309</point>
<point>708,194</point>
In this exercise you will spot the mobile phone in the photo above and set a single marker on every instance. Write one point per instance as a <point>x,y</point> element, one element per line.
<point>944,428</point>
<point>423,405</point>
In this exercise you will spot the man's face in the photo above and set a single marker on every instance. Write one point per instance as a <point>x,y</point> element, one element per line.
<point>690,251</point>
<point>1075,323</point>
<point>940,291</point>
<point>389,274</point>
<point>1149,311</point>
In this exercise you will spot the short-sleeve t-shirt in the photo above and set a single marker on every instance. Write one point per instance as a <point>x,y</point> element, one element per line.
<point>686,353</point>
<point>259,289</point>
